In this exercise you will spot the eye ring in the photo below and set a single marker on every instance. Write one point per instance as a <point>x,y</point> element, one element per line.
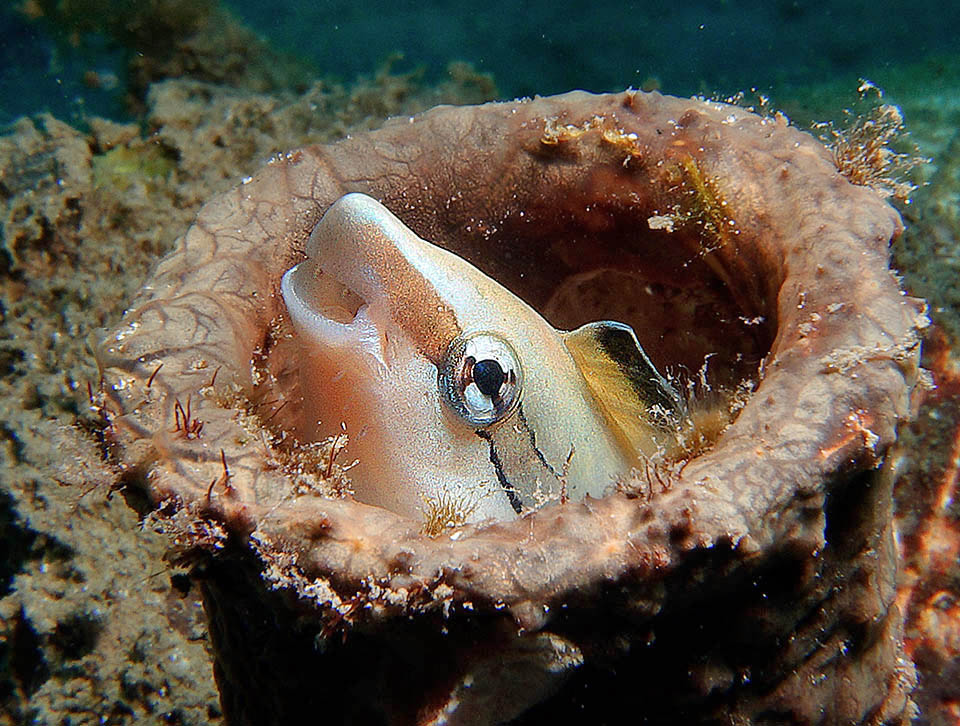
<point>481,379</point>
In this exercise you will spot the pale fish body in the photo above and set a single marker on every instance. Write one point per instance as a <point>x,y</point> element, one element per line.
<point>455,395</point>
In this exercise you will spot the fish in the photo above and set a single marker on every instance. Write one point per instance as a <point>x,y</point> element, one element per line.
<point>460,402</point>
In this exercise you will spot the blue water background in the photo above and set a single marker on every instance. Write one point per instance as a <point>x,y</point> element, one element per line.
<point>541,47</point>
<point>550,47</point>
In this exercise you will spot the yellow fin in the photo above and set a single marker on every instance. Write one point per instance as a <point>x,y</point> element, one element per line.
<point>645,410</point>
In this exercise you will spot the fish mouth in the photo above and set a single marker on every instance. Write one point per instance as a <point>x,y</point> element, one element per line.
<point>332,299</point>
<point>334,322</point>
<point>321,298</point>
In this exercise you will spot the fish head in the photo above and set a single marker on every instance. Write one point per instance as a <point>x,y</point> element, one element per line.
<point>459,400</point>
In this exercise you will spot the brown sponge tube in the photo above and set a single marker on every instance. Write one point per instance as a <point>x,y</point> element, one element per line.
<point>754,584</point>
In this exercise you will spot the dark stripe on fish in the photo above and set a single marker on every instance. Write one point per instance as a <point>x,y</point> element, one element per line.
<point>533,442</point>
<point>501,477</point>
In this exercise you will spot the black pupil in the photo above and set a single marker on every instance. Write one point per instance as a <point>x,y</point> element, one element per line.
<point>489,377</point>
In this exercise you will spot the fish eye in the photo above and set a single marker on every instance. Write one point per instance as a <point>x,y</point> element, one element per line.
<point>481,378</point>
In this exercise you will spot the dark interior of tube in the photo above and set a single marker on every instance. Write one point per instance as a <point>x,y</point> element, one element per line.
<point>613,266</point>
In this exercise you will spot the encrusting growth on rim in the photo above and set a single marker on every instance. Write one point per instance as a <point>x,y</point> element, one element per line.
<point>446,510</point>
<point>188,426</point>
<point>555,134</point>
<point>868,150</point>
